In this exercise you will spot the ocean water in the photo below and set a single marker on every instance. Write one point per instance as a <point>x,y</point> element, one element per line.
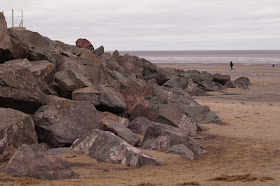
<point>246,57</point>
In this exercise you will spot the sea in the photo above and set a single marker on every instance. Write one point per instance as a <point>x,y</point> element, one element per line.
<point>245,57</point>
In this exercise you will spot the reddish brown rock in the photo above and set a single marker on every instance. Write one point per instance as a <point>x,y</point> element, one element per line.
<point>134,96</point>
<point>84,43</point>
<point>27,162</point>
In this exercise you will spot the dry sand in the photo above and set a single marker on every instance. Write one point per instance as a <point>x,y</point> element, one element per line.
<point>243,151</point>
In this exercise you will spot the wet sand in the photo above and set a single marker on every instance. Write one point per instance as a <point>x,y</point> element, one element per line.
<point>246,145</point>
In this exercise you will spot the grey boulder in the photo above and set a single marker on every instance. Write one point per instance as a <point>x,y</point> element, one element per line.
<point>16,128</point>
<point>27,162</point>
<point>62,122</point>
<point>106,147</point>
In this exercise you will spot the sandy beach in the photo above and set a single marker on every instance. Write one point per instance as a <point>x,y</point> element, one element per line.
<point>243,151</point>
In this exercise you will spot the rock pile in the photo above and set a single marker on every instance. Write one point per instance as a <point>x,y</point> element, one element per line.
<point>96,103</point>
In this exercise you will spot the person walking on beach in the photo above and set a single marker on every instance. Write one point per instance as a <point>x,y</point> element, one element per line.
<point>231,65</point>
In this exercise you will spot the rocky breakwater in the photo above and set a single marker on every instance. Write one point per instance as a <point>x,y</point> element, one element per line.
<point>94,103</point>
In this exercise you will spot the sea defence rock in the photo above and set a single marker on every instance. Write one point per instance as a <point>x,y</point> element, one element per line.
<point>103,97</point>
<point>163,137</point>
<point>110,116</point>
<point>35,46</point>
<point>133,97</point>
<point>62,122</point>
<point>174,115</point>
<point>242,82</point>
<point>19,89</point>
<point>5,41</point>
<point>27,162</point>
<point>84,43</point>
<point>160,78</point>
<point>222,79</point>
<point>131,64</point>
<point>120,131</point>
<point>106,147</point>
<point>141,124</point>
<point>99,51</point>
<point>16,128</point>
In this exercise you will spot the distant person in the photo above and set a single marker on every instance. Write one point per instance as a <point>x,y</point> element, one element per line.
<point>231,65</point>
<point>273,65</point>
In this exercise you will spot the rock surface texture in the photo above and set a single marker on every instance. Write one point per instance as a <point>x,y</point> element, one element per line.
<point>106,147</point>
<point>16,128</point>
<point>27,162</point>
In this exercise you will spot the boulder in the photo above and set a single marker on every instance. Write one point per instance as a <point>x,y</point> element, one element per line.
<point>16,128</point>
<point>243,82</point>
<point>209,85</point>
<point>36,47</point>
<point>149,112</point>
<point>19,89</point>
<point>131,64</point>
<point>195,91</point>
<point>222,79</point>
<point>70,80</point>
<point>230,84</point>
<point>104,98</point>
<point>141,124</point>
<point>160,78</point>
<point>106,147</point>
<point>112,63</point>
<point>110,116</point>
<point>99,51</point>
<point>5,41</point>
<point>27,162</point>
<point>150,68</point>
<point>116,54</point>
<point>43,70</point>
<point>163,137</point>
<point>120,131</point>
<point>134,96</point>
<point>174,115</point>
<point>177,82</point>
<point>181,150</point>
<point>84,43</point>
<point>62,122</point>
<point>201,113</point>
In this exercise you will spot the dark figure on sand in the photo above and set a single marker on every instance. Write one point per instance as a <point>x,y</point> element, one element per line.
<point>231,65</point>
<point>273,65</point>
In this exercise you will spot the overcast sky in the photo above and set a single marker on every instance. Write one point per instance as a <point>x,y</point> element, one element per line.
<point>154,24</point>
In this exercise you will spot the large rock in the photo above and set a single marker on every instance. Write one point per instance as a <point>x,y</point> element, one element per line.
<point>222,79</point>
<point>160,78</point>
<point>99,51</point>
<point>134,96</point>
<point>149,112</point>
<point>36,47</point>
<point>106,147</point>
<point>27,162</point>
<point>141,124</point>
<point>110,116</point>
<point>150,68</point>
<point>163,137</point>
<point>62,122</point>
<point>177,82</point>
<point>5,41</point>
<point>174,115</point>
<point>120,131</point>
<point>84,43</point>
<point>104,98</point>
<point>43,70</point>
<point>16,128</point>
<point>242,82</point>
<point>19,89</point>
<point>131,64</point>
